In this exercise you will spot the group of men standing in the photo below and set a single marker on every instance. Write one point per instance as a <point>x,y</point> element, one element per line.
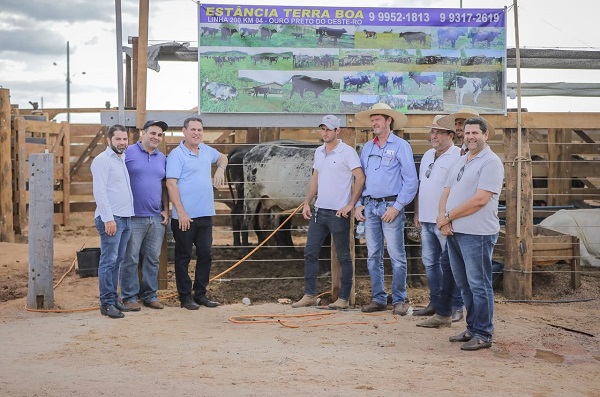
<point>457,194</point>
<point>132,186</point>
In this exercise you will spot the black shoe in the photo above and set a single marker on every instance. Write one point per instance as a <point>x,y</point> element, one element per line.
<point>204,301</point>
<point>428,311</point>
<point>190,304</point>
<point>462,337</point>
<point>111,311</point>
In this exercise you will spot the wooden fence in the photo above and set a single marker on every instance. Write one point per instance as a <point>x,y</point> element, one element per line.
<point>569,153</point>
<point>39,137</point>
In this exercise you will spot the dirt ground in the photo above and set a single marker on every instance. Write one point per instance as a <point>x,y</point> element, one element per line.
<point>268,348</point>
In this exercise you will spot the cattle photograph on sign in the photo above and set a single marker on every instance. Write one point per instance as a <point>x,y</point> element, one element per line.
<point>251,63</point>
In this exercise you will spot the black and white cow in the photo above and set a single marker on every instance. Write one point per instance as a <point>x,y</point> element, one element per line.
<point>467,85</point>
<point>236,182</point>
<point>219,91</point>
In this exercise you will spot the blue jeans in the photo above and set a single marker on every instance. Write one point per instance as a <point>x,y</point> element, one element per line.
<point>322,223</point>
<point>144,246</point>
<point>112,255</point>
<point>200,235</point>
<point>437,269</point>
<point>375,232</point>
<point>471,262</point>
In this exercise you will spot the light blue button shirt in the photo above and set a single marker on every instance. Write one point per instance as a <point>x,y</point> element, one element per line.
<point>390,171</point>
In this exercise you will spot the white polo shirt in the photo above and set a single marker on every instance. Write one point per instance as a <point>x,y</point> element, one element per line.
<point>430,189</point>
<point>334,183</point>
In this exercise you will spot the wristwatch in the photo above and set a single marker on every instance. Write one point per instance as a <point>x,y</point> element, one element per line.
<point>447,215</point>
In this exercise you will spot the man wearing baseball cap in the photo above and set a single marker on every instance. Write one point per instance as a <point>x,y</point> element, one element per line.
<point>147,169</point>
<point>391,184</point>
<point>336,165</point>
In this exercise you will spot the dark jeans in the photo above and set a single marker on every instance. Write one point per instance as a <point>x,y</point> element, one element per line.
<point>450,296</point>
<point>200,235</point>
<point>322,223</point>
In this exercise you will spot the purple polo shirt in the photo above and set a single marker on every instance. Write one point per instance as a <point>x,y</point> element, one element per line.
<point>146,172</point>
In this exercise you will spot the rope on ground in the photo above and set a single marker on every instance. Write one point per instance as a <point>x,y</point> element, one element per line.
<point>280,319</point>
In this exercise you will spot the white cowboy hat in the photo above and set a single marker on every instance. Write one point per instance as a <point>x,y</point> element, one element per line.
<point>465,113</point>
<point>437,126</point>
<point>364,117</point>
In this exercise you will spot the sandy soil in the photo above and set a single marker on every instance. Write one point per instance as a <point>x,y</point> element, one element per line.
<point>539,349</point>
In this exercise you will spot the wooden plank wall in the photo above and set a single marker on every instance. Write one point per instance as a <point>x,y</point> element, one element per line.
<point>38,137</point>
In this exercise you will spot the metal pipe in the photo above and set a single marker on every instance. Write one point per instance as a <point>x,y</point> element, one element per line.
<point>68,85</point>
<point>120,89</point>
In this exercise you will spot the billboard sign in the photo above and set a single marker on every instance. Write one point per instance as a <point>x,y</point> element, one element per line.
<point>304,59</point>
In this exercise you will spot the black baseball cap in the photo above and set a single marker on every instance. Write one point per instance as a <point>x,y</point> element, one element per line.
<point>161,124</point>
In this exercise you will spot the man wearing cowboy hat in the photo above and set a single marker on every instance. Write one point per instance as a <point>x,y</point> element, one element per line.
<point>391,184</point>
<point>435,166</point>
<point>456,121</point>
<point>469,218</point>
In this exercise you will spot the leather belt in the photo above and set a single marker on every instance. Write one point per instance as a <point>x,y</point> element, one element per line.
<point>382,199</point>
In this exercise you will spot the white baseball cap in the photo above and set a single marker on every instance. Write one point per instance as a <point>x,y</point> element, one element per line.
<point>331,122</point>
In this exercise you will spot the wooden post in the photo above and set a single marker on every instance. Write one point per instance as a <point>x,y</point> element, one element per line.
<point>575,263</point>
<point>21,172</point>
<point>128,82</point>
<point>7,233</point>
<point>268,134</point>
<point>134,71</point>
<point>518,252</point>
<point>559,170</point>
<point>40,293</point>
<point>252,136</point>
<point>142,64</point>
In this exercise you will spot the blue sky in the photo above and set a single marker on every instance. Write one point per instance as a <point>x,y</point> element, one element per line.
<point>34,36</point>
